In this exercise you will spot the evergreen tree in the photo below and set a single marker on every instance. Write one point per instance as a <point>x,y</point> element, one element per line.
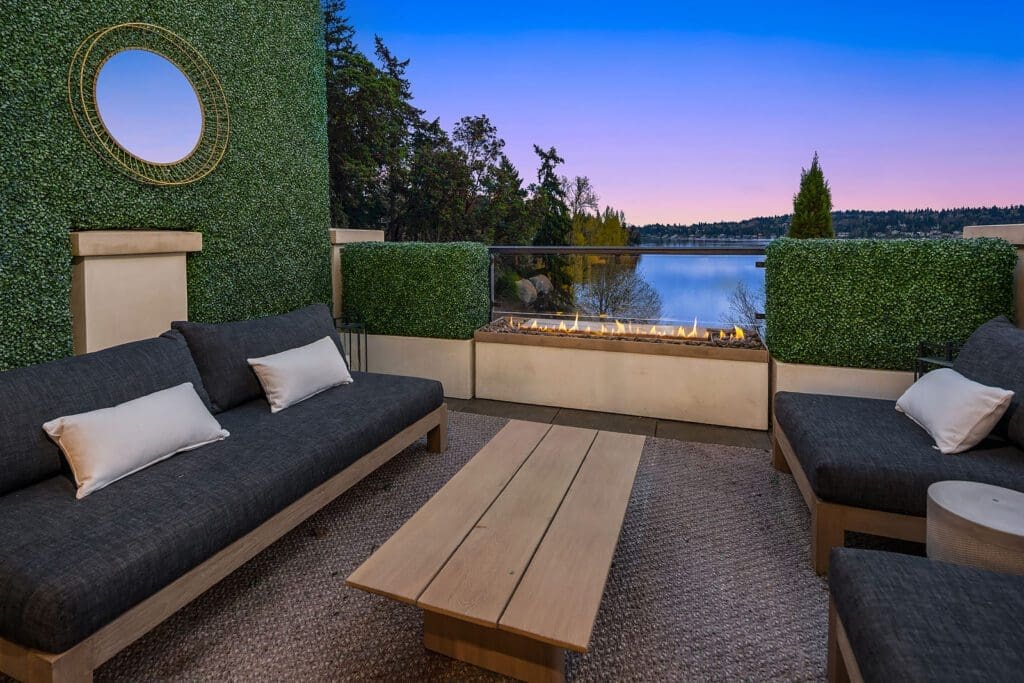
<point>370,126</point>
<point>547,202</point>
<point>812,205</point>
<point>392,169</point>
<point>439,189</point>
<point>506,213</point>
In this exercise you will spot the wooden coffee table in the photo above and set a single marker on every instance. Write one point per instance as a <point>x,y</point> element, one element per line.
<point>509,559</point>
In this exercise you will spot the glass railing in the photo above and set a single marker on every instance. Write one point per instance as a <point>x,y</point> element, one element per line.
<point>705,287</point>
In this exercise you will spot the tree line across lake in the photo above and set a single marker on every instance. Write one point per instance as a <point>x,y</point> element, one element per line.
<point>913,223</point>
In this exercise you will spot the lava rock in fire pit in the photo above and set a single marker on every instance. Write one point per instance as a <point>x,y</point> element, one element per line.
<point>526,291</point>
<point>543,284</point>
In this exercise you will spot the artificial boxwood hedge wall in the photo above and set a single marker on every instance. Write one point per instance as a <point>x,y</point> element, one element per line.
<point>867,303</point>
<point>414,289</point>
<point>263,212</point>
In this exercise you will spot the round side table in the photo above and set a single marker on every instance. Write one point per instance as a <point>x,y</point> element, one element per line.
<point>976,524</point>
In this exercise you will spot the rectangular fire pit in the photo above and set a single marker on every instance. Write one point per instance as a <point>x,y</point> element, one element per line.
<point>711,376</point>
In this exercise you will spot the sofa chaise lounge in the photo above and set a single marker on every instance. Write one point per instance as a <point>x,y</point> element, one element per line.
<point>82,579</point>
<point>862,466</point>
<point>896,617</point>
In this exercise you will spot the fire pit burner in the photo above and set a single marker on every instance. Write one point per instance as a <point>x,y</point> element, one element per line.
<point>660,333</point>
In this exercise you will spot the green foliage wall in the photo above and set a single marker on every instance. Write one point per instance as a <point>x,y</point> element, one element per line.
<point>264,212</point>
<point>867,303</point>
<point>415,289</point>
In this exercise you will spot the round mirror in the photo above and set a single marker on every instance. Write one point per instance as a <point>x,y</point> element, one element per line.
<point>148,106</point>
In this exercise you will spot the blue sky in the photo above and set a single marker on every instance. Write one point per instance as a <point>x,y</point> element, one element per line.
<point>707,111</point>
<point>985,28</point>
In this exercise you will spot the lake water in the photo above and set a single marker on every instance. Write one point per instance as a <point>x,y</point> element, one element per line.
<point>701,286</point>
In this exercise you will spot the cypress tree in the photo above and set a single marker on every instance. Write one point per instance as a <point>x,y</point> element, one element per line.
<point>812,205</point>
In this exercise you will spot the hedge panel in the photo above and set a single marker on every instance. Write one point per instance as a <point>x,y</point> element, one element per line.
<point>415,289</point>
<point>264,212</point>
<point>867,303</point>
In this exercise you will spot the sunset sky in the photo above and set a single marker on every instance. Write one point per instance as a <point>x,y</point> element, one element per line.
<point>682,112</point>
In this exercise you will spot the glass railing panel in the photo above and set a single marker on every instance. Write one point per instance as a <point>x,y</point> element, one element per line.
<point>668,287</point>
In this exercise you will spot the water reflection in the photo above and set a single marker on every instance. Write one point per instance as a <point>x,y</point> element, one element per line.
<point>617,290</point>
<point>701,286</point>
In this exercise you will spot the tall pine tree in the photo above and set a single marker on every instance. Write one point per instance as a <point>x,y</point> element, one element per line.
<point>393,169</point>
<point>812,205</point>
<point>548,201</point>
<point>507,216</point>
<point>370,124</point>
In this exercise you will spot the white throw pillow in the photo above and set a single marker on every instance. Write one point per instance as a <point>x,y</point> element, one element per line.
<point>105,445</point>
<point>297,374</point>
<point>957,412</point>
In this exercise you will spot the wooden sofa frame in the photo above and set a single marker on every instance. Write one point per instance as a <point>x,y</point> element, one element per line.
<point>77,663</point>
<point>842,665</point>
<point>831,521</point>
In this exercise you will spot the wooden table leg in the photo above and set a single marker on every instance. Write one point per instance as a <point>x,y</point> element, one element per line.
<point>506,653</point>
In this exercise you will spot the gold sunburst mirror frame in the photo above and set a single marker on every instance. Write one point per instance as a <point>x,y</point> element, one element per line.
<point>89,59</point>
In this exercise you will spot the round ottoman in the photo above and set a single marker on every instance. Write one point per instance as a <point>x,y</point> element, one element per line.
<point>976,524</point>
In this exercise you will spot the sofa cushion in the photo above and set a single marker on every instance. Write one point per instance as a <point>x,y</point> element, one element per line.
<point>221,350</point>
<point>861,452</point>
<point>105,445</point>
<point>914,619</point>
<point>68,567</point>
<point>957,412</point>
<point>33,395</point>
<point>994,355</point>
<point>294,375</point>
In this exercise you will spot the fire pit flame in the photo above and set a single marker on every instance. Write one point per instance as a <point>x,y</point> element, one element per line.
<point>629,328</point>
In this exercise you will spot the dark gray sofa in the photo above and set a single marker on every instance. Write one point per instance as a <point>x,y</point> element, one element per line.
<point>72,568</point>
<point>903,618</point>
<point>862,466</point>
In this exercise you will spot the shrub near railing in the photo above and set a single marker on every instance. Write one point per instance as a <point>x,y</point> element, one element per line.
<point>416,289</point>
<point>867,303</point>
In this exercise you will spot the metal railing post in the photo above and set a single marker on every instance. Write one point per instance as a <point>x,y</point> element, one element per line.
<point>490,283</point>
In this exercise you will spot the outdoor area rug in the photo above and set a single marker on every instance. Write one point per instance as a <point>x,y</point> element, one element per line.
<point>711,581</point>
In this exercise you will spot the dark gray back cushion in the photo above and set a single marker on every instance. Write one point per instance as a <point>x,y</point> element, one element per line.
<point>994,356</point>
<point>33,395</point>
<point>221,350</point>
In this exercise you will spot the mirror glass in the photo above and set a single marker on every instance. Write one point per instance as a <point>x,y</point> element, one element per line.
<point>149,106</point>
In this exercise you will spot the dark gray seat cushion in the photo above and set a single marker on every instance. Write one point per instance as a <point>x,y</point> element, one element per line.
<point>861,452</point>
<point>33,395</point>
<point>913,619</point>
<point>68,567</point>
<point>994,356</point>
<point>221,350</point>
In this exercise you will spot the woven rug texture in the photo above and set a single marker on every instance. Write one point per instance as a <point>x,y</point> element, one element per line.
<point>710,582</point>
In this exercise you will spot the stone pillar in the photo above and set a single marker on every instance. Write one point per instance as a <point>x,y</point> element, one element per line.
<point>1014,234</point>
<point>127,285</point>
<point>339,238</point>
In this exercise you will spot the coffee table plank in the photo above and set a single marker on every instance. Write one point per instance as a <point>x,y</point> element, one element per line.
<point>479,578</point>
<point>558,598</point>
<point>409,560</point>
